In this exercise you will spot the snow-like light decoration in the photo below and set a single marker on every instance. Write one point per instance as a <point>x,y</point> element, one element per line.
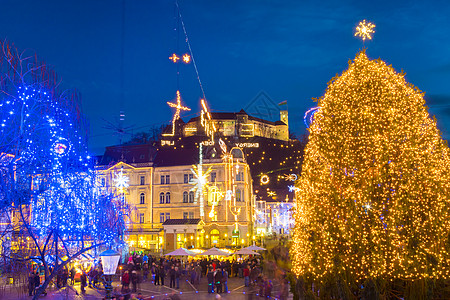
<point>264,179</point>
<point>121,182</point>
<point>178,108</point>
<point>200,181</point>
<point>293,188</point>
<point>365,30</point>
<point>186,58</point>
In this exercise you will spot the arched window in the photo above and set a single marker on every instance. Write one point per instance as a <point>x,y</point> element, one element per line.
<point>142,198</point>
<point>238,195</point>
<point>191,197</point>
<point>161,198</point>
<point>185,197</point>
<point>167,197</point>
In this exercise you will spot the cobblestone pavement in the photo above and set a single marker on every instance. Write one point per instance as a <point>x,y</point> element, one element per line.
<point>236,288</point>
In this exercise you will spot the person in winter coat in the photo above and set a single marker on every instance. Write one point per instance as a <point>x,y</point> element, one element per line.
<point>218,277</point>
<point>172,277</point>
<point>156,271</point>
<point>83,279</point>
<point>210,277</point>
<point>134,280</point>
<point>162,274</point>
<point>125,281</point>
<point>31,283</point>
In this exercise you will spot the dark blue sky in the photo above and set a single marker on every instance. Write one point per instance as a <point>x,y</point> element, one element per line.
<point>289,49</point>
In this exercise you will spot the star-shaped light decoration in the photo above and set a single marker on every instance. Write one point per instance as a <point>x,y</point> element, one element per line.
<point>271,193</point>
<point>365,30</point>
<point>186,58</point>
<point>290,177</point>
<point>121,182</point>
<point>178,108</point>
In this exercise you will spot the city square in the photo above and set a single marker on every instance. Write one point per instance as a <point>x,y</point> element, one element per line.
<point>133,167</point>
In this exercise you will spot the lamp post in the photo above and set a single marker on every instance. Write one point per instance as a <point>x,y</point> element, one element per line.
<point>110,260</point>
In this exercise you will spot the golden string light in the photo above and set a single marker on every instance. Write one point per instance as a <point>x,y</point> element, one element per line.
<point>178,108</point>
<point>365,30</point>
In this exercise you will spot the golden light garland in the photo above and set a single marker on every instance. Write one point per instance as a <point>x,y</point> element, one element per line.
<point>373,199</point>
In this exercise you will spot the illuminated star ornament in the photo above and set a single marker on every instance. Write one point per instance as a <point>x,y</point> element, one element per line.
<point>178,108</point>
<point>121,182</point>
<point>365,30</point>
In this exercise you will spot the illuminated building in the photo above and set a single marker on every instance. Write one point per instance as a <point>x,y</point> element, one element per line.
<point>166,210</point>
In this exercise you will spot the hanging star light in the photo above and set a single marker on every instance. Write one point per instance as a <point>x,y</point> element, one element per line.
<point>186,58</point>
<point>121,182</point>
<point>178,108</point>
<point>365,30</point>
<point>271,193</point>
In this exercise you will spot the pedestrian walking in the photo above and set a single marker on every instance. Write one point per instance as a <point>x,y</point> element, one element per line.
<point>83,281</point>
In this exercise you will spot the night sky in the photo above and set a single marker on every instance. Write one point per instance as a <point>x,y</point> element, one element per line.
<point>288,49</point>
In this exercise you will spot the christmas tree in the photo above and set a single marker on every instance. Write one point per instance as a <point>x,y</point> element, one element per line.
<point>373,197</point>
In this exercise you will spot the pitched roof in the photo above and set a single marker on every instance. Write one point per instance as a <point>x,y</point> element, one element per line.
<point>142,153</point>
<point>182,222</point>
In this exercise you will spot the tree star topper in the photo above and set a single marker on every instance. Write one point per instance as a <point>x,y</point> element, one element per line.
<point>179,108</point>
<point>365,30</point>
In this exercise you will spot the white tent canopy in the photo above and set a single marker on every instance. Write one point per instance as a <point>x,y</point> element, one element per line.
<point>254,248</point>
<point>181,252</point>
<point>246,251</point>
<point>214,251</point>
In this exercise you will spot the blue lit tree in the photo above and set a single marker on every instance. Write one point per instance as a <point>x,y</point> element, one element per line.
<point>48,188</point>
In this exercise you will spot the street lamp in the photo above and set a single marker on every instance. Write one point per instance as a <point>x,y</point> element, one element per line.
<point>110,260</point>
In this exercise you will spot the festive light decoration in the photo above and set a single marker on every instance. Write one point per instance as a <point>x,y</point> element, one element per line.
<point>365,30</point>
<point>178,108</point>
<point>47,179</point>
<point>186,58</point>
<point>200,181</point>
<point>290,177</point>
<point>174,58</point>
<point>374,193</point>
<point>121,182</point>
<point>264,179</point>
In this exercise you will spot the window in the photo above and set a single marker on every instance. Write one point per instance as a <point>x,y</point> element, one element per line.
<point>141,218</point>
<point>163,179</point>
<point>191,176</point>
<point>167,179</point>
<point>191,197</point>
<point>191,215</point>
<point>238,195</point>
<point>103,181</point>
<point>167,197</point>
<point>142,180</point>
<point>161,217</point>
<point>240,176</point>
<point>185,215</point>
<point>185,197</point>
<point>161,198</point>
<point>167,216</point>
<point>186,178</point>
<point>142,198</point>
<point>213,177</point>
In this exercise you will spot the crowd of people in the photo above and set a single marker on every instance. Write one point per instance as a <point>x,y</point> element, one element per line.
<point>169,271</point>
